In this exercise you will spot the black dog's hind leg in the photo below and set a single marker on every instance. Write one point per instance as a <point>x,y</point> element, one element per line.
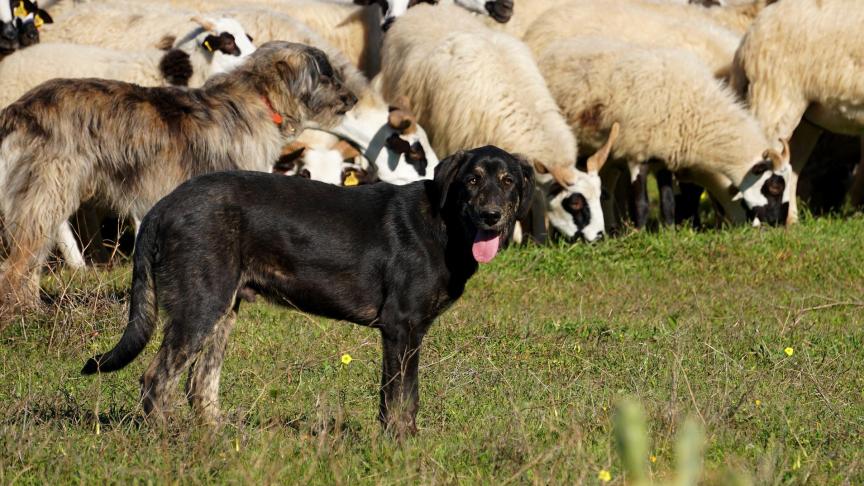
<point>202,385</point>
<point>185,336</point>
<point>400,395</point>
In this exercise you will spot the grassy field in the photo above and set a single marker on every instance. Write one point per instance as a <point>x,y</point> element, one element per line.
<point>755,334</point>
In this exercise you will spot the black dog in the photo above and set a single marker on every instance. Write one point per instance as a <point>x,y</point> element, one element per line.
<point>289,239</point>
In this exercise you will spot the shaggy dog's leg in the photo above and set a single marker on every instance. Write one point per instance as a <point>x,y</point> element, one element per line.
<point>400,395</point>
<point>34,212</point>
<point>202,386</point>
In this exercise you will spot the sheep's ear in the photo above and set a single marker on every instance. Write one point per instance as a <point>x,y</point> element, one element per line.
<point>42,17</point>
<point>403,121</point>
<point>291,153</point>
<point>778,160</point>
<point>23,8</point>
<point>401,118</point>
<point>211,43</point>
<point>596,161</point>
<point>205,23</point>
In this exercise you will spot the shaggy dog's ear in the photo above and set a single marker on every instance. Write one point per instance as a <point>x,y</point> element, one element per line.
<point>445,173</point>
<point>526,188</point>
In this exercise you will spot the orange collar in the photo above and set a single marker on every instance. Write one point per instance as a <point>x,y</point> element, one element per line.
<point>274,115</point>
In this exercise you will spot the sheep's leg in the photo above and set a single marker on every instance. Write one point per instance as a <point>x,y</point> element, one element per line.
<point>612,214</point>
<point>801,146</point>
<point>639,195</point>
<point>856,193</point>
<point>68,245</point>
<point>687,203</point>
<point>667,196</point>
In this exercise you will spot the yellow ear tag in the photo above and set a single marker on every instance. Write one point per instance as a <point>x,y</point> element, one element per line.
<point>351,180</point>
<point>37,21</point>
<point>20,11</point>
<point>207,45</point>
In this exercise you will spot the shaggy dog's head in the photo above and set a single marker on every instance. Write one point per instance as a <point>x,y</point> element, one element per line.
<point>765,192</point>
<point>487,189</point>
<point>300,84</point>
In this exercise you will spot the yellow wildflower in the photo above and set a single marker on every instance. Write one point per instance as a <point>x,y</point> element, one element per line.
<point>347,359</point>
<point>653,458</point>
<point>604,475</point>
<point>757,402</point>
<point>789,351</point>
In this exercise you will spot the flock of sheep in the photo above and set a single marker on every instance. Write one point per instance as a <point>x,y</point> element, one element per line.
<point>729,95</point>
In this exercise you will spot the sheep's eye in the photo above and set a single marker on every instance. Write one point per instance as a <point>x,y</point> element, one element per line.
<point>507,180</point>
<point>473,180</point>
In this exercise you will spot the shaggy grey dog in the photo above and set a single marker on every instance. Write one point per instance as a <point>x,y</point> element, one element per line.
<point>70,140</point>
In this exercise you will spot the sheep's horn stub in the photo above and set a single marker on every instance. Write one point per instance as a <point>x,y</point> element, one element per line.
<point>596,161</point>
<point>402,120</point>
<point>778,160</point>
<point>206,24</point>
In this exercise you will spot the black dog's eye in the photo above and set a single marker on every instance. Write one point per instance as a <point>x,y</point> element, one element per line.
<point>473,180</point>
<point>507,180</point>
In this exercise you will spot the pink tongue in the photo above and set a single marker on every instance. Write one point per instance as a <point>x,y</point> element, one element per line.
<point>485,246</point>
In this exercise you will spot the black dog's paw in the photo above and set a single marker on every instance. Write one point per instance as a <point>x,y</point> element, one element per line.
<point>176,67</point>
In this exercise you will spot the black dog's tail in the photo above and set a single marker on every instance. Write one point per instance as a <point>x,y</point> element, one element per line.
<point>143,309</point>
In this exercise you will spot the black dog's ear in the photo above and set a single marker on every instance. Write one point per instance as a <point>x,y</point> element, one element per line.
<point>526,190</point>
<point>445,172</point>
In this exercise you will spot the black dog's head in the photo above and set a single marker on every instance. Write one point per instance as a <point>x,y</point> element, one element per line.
<point>487,189</point>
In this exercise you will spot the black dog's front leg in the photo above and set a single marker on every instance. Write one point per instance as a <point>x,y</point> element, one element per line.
<point>400,396</point>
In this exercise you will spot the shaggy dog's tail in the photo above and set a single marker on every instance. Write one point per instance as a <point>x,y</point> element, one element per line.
<point>143,308</point>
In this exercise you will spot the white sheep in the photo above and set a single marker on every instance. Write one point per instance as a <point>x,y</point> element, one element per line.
<point>471,86</point>
<point>353,29</point>
<point>802,59</point>
<point>670,108</point>
<point>637,22</point>
<point>27,68</point>
<point>735,18</point>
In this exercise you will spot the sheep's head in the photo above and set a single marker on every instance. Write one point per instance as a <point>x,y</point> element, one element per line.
<point>500,10</point>
<point>765,191</point>
<point>408,142</point>
<point>29,18</point>
<point>8,37</point>
<point>575,210</point>
<point>390,138</point>
<point>325,159</point>
<point>225,41</point>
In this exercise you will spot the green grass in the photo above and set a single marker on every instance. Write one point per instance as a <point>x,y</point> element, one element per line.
<point>519,379</point>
